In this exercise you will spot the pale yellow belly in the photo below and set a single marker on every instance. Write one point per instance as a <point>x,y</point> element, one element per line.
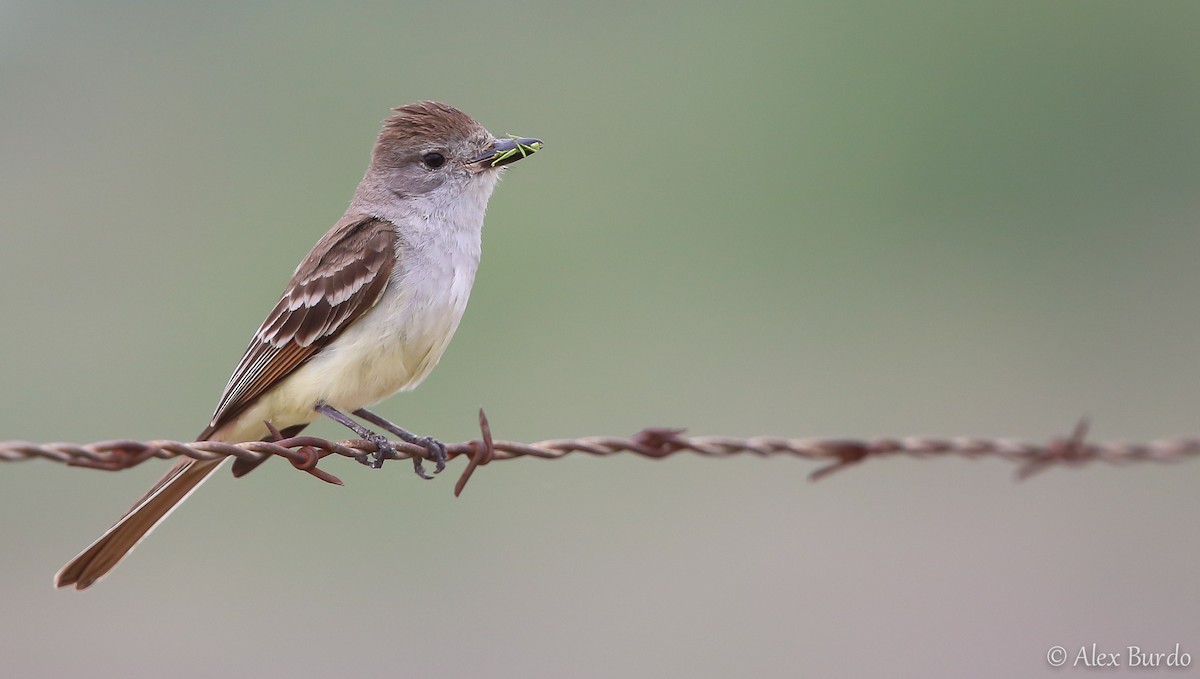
<point>369,361</point>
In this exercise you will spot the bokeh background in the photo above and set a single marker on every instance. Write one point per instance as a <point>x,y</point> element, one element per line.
<point>791,218</point>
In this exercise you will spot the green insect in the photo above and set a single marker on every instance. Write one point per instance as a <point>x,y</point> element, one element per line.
<point>523,149</point>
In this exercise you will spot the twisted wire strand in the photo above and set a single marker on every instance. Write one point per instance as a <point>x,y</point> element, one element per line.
<point>304,452</point>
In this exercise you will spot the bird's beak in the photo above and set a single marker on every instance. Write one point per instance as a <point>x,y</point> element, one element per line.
<point>508,150</point>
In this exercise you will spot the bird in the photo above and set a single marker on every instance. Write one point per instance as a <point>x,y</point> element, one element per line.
<point>367,313</point>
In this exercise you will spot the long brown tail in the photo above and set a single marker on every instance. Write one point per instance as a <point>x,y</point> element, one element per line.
<point>105,553</point>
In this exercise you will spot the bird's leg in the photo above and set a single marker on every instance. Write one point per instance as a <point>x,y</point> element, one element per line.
<point>383,447</point>
<point>437,449</point>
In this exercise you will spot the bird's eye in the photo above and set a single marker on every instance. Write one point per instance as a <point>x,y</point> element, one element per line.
<point>433,160</point>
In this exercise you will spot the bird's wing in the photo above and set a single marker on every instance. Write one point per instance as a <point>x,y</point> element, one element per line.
<point>340,280</point>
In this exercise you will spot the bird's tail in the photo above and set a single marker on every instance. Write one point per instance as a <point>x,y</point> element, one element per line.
<point>106,552</point>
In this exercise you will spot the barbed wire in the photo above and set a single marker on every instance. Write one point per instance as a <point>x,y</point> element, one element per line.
<point>304,452</point>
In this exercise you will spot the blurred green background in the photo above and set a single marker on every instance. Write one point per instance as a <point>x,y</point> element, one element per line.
<point>800,219</point>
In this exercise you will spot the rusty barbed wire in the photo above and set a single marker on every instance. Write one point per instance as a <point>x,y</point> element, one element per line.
<point>304,452</point>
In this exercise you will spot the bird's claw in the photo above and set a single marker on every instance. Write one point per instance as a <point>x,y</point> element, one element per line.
<point>437,452</point>
<point>383,450</point>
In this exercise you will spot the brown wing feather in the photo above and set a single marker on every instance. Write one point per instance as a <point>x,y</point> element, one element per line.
<point>343,277</point>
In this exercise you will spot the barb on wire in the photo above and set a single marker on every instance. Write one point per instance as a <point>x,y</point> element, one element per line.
<point>304,452</point>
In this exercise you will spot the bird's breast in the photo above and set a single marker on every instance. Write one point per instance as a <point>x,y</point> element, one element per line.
<point>395,345</point>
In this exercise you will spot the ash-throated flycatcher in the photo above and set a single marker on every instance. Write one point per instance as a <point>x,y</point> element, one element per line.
<point>367,313</point>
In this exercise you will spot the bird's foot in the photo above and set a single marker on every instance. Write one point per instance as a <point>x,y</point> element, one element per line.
<point>384,450</point>
<point>436,451</point>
